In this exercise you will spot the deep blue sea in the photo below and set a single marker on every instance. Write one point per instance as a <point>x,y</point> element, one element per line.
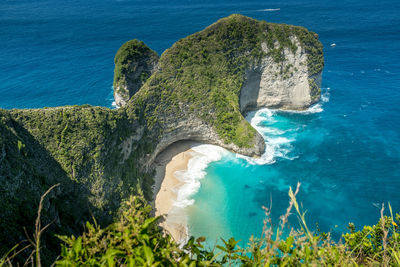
<point>345,151</point>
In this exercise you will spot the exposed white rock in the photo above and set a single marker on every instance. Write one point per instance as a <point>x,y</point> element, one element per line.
<point>195,129</point>
<point>120,100</point>
<point>281,85</point>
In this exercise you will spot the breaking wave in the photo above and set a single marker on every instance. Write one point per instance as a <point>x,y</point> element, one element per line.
<point>269,9</point>
<point>201,157</point>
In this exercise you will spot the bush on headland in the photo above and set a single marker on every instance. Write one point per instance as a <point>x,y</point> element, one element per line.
<point>99,156</point>
<point>135,239</point>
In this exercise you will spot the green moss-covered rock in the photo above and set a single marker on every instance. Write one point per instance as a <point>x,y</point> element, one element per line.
<point>101,156</point>
<point>203,74</point>
<point>78,147</point>
<point>134,64</point>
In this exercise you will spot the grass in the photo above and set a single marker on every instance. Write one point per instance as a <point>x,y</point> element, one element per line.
<point>33,242</point>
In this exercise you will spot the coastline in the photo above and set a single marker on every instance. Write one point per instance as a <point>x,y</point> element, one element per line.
<point>179,169</point>
<point>175,158</point>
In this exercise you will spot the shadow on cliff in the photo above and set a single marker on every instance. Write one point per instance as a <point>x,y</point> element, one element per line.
<point>165,156</point>
<point>27,170</point>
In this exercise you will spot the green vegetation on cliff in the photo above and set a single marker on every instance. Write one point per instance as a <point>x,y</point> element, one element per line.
<point>101,156</point>
<point>203,73</point>
<point>78,147</point>
<point>134,63</point>
<point>27,169</point>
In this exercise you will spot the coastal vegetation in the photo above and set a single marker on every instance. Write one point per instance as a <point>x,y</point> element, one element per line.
<point>134,64</point>
<point>206,71</point>
<point>101,157</point>
<point>73,146</point>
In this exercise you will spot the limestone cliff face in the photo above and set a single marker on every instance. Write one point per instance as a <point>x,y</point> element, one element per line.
<point>134,64</point>
<point>286,84</point>
<point>193,129</point>
<point>197,90</point>
<point>279,67</point>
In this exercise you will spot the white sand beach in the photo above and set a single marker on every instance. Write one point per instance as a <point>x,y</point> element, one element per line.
<point>174,158</point>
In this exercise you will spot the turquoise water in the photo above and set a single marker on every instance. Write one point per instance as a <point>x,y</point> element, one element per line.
<point>345,175</point>
<point>346,156</point>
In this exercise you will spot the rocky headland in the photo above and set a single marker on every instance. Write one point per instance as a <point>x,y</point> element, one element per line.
<point>196,90</point>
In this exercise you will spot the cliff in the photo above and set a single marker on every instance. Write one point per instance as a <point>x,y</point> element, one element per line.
<point>287,82</point>
<point>198,90</point>
<point>134,64</point>
<point>206,81</point>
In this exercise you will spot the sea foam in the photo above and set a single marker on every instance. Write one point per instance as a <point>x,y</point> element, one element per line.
<point>317,108</point>
<point>190,178</point>
<point>276,144</point>
<point>269,9</point>
<point>201,156</point>
<point>110,98</point>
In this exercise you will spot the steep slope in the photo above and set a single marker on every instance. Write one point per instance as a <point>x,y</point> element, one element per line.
<point>198,91</point>
<point>205,82</point>
<point>79,147</point>
<point>134,64</point>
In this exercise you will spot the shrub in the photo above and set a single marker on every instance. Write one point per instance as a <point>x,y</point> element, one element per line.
<point>136,240</point>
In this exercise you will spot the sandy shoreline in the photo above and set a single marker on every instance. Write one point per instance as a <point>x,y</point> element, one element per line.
<point>174,158</point>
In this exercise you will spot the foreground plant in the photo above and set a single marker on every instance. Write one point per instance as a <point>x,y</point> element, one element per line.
<point>376,245</point>
<point>135,239</point>
<point>33,242</point>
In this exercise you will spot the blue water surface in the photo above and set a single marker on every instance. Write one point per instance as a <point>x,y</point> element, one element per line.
<point>347,157</point>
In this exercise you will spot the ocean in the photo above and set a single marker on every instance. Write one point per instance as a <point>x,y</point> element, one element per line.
<point>345,151</point>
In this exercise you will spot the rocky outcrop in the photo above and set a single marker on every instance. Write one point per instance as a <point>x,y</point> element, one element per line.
<point>198,90</point>
<point>282,67</point>
<point>286,84</point>
<point>194,129</point>
<point>134,64</point>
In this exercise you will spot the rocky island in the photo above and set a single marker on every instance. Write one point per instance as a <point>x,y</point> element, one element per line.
<point>198,90</point>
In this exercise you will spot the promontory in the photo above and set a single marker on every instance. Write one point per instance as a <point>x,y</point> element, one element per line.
<point>199,89</point>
